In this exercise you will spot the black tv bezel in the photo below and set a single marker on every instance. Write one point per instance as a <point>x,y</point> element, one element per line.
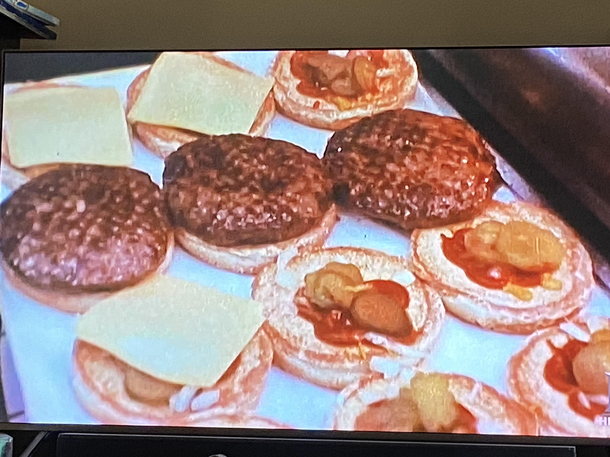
<point>333,435</point>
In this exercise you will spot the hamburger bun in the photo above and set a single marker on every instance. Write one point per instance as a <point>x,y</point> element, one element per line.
<point>98,381</point>
<point>497,309</point>
<point>300,352</point>
<point>396,85</point>
<point>528,385</point>
<point>79,233</point>
<point>234,208</point>
<point>494,413</point>
<point>163,140</point>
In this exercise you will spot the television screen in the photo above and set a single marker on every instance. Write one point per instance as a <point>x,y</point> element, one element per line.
<point>314,240</point>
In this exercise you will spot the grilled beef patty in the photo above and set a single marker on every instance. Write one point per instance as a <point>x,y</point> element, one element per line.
<point>237,190</point>
<point>85,228</point>
<point>411,168</point>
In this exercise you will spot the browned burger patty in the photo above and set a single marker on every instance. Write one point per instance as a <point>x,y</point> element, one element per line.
<point>411,168</point>
<point>238,190</point>
<point>85,229</point>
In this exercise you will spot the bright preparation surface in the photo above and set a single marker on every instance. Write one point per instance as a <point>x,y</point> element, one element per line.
<point>41,338</point>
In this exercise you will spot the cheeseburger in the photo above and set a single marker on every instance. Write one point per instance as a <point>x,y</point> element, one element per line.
<point>170,352</point>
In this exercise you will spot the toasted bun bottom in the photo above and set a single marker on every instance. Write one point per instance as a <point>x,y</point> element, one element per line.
<point>398,88</point>
<point>99,387</point>
<point>78,303</point>
<point>162,140</point>
<point>528,386</point>
<point>495,309</point>
<point>495,413</point>
<point>297,348</point>
<point>251,259</point>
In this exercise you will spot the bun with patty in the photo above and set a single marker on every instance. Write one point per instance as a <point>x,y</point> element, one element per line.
<point>411,169</point>
<point>79,233</point>
<point>237,202</point>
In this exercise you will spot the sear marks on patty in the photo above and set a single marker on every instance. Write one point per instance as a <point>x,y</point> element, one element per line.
<point>236,190</point>
<point>411,168</point>
<point>85,228</point>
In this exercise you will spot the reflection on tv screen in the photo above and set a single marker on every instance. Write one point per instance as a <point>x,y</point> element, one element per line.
<point>294,239</point>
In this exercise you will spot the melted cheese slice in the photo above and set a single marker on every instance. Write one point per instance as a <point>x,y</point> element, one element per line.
<point>173,330</point>
<point>197,93</point>
<point>67,125</point>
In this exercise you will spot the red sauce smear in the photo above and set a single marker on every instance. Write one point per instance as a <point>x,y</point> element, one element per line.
<point>384,416</point>
<point>484,273</point>
<point>336,327</point>
<point>558,373</point>
<point>303,71</point>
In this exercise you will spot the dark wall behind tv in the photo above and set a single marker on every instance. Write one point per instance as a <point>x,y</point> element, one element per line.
<point>149,24</point>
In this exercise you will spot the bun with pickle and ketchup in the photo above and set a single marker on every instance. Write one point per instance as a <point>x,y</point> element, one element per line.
<point>430,402</point>
<point>332,90</point>
<point>337,315</point>
<point>514,268</point>
<point>170,352</point>
<point>560,374</point>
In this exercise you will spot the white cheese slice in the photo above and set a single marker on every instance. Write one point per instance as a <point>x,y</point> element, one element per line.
<point>173,330</point>
<point>67,125</point>
<point>197,93</point>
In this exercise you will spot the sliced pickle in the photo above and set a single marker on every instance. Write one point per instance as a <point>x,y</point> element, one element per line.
<point>380,313</point>
<point>590,366</point>
<point>147,389</point>
<point>344,87</point>
<point>332,287</point>
<point>529,247</point>
<point>522,293</point>
<point>329,67</point>
<point>481,240</point>
<point>365,73</point>
<point>437,406</point>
